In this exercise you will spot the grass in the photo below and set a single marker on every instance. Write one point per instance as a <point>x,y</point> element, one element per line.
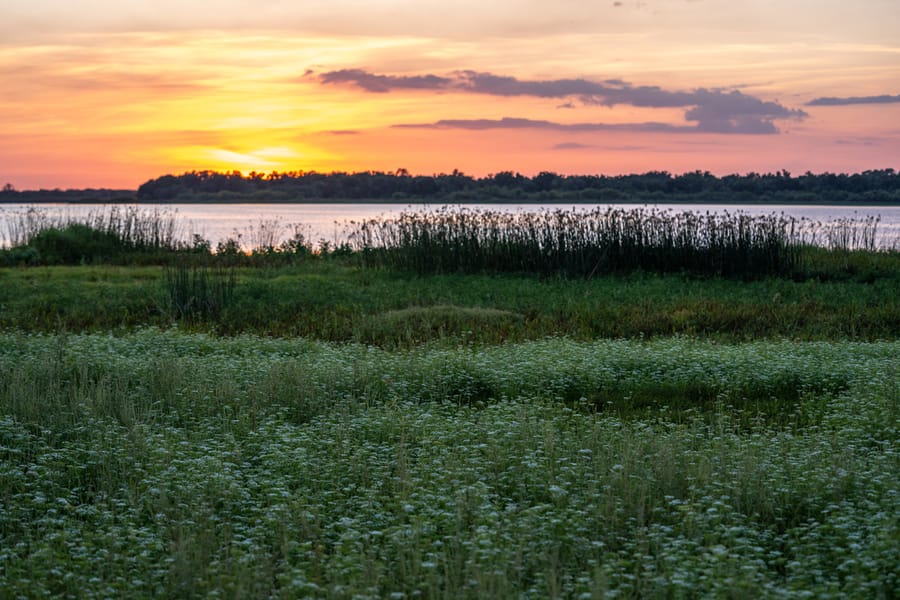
<point>332,301</point>
<point>198,293</point>
<point>116,234</point>
<point>133,226</point>
<point>168,464</point>
<point>570,243</point>
<point>601,241</point>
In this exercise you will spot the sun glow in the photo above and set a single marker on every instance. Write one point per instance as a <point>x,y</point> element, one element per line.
<point>114,97</point>
<point>247,158</point>
<point>262,159</point>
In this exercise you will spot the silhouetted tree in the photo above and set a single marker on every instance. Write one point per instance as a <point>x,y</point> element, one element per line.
<point>654,186</point>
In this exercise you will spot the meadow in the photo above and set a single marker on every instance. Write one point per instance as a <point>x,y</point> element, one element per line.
<point>303,423</point>
<point>332,300</point>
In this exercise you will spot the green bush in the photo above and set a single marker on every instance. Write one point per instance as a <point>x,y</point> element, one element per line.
<point>19,256</point>
<point>77,243</point>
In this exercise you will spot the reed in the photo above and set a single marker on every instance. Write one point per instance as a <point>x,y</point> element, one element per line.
<point>583,243</point>
<point>134,227</point>
<point>571,243</point>
<point>198,293</point>
<point>845,234</point>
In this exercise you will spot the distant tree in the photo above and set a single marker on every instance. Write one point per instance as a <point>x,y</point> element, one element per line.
<point>545,181</point>
<point>653,186</point>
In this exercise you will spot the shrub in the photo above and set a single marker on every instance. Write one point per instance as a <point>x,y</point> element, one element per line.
<point>77,243</point>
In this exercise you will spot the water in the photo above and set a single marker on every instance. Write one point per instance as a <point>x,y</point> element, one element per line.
<point>250,223</point>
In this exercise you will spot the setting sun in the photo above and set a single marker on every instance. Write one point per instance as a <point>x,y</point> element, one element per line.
<point>249,160</point>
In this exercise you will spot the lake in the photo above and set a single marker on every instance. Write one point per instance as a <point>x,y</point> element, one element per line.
<point>329,222</point>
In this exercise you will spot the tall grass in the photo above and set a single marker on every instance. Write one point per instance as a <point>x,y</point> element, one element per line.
<point>577,243</point>
<point>845,234</point>
<point>198,293</point>
<point>572,243</point>
<point>138,228</point>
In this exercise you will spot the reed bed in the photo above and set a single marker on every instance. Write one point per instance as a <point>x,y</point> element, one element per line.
<point>577,243</point>
<point>845,234</point>
<point>583,243</point>
<point>135,227</point>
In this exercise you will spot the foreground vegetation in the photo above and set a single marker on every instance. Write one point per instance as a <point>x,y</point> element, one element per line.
<point>336,301</point>
<point>460,277</point>
<point>338,423</point>
<point>166,464</point>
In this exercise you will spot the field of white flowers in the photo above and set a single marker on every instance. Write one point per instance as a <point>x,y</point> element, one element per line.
<point>172,465</point>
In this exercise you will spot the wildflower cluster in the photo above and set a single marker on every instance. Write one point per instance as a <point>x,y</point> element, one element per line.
<point>167,464</point>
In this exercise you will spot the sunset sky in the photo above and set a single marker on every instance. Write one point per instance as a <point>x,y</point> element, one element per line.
<point>99,93</point>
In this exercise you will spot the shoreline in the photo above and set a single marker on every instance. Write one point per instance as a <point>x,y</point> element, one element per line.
<point>414,201</point>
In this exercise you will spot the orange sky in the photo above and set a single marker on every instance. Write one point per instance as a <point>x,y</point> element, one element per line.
<point>109,94</point>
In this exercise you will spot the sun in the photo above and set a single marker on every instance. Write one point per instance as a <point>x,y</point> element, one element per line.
<point>262,159</point>
<point>247,159</point>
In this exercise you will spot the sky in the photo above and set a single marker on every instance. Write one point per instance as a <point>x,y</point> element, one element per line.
<point>100,93</point>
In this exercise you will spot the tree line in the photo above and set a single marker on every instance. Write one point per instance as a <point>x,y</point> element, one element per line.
<point>874,186</point>
<point>400,186</point>
<point>9,194</point>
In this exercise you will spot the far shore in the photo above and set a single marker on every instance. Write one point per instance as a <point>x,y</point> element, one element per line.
<point>448,202</point>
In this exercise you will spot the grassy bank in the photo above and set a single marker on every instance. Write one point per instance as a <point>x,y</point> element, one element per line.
<point>164,464</point>
<point>334,301</point>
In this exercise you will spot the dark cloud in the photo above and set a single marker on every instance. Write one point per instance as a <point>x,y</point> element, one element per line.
<point>713,110</point>
<point>735,112</point>
<point>502,85</point>
<point>519,123</point>
<point>883,99</point>
<point>385,83</point>
<point>572,146</point>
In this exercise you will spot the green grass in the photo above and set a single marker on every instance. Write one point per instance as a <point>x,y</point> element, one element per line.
<point>166,464</point>
<point>330,300</point>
